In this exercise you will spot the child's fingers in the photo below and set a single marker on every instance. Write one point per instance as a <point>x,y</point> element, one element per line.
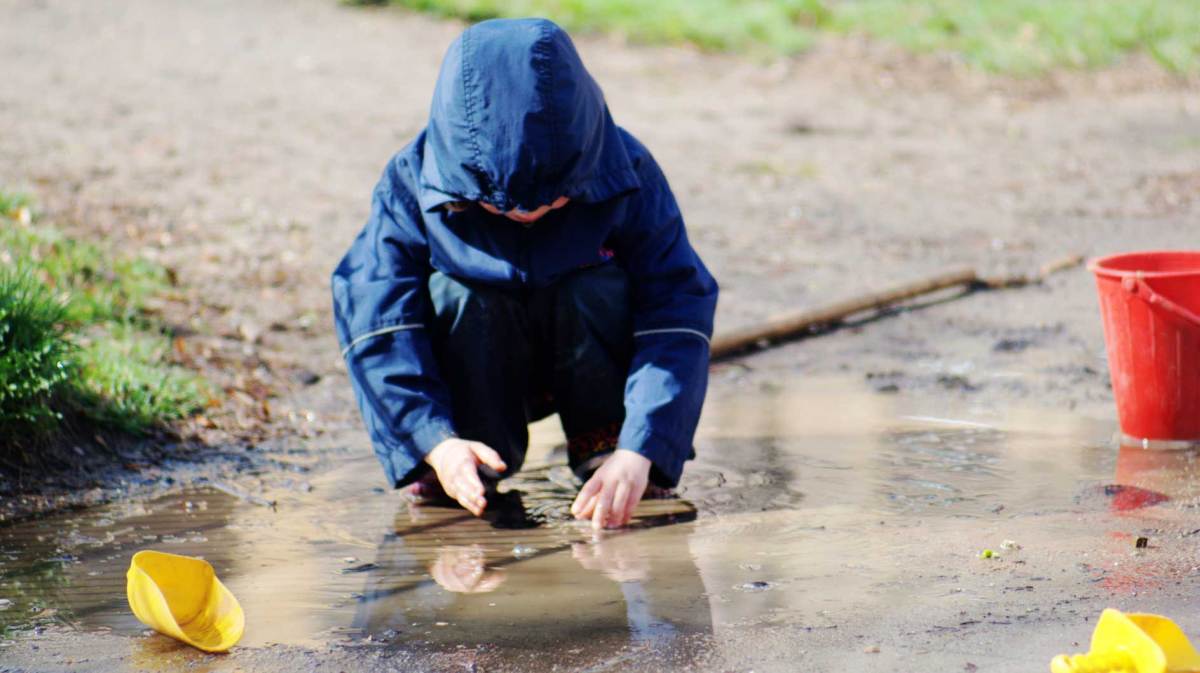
<point>470,490</point>
<point>488,456</point>
<point>630,506</point>
<point>603,507</point>
<point>589,491</point>
<point>469,503</point>
<point>472,506</point>
<point>467,485</point>
<point>585,510</point>
<point>598,515</point>
<point>490,582</point>
<point>632,503</point>
<point>620,505</point>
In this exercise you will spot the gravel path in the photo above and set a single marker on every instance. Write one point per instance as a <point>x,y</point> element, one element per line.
<point>238,142</point>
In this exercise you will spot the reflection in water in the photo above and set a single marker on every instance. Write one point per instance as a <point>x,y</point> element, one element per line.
<point>443,581</point>
<point>72,568</point>
<point>825,510</point>
<point>462,570</point>
<point>1173,474</point>
<point>1156,486</point>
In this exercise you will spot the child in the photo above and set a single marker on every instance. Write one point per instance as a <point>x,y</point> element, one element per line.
<point>525,256</point>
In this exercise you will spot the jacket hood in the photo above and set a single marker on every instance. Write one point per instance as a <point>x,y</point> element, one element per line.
<point>517,122</point>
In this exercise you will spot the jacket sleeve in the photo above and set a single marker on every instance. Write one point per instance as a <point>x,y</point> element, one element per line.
<point>381,307</point>
<point>674,298</point>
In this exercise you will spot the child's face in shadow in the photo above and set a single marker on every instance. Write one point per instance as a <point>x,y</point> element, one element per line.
<point>526,217</point>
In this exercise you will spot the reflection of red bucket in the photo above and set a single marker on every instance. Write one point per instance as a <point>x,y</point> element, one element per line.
<point>1151,307</point>
<point>1145,478</point>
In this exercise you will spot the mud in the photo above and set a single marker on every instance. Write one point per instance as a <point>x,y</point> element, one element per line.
<point>845,539</point>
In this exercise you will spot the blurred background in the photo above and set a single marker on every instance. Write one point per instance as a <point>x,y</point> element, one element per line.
<point>179,179</point>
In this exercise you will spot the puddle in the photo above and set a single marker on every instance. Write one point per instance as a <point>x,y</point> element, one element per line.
<point>812,509</point>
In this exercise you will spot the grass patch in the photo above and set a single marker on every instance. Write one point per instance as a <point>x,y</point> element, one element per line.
<point>783,26</point>
<point>1010,36</point>
<point>75,346</point>
<point>127,385</point>
<point>35,359</point>
<point>1031,36</point>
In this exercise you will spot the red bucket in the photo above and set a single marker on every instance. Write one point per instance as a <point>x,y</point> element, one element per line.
<point>1151,307</point>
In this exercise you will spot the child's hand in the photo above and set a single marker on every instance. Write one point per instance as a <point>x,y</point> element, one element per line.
<point>456,463</point>
<point>611,495</point>
<point>620,557</point>
<point>464,570</point>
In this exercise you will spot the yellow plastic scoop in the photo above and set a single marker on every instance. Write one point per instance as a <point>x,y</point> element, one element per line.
<point>1133,643</point>
<point>181,597</point>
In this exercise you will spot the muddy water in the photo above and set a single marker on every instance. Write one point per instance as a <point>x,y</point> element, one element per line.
<point>821,512</point>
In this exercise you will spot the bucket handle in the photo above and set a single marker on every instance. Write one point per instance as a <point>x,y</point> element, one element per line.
<point>1137,285</point>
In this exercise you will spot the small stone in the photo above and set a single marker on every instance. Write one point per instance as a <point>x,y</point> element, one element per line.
<point>956,382</point>
<point>1141,542</point>
<point>1011,345</point>
<point>249,332</point>
<point>385,636</point>
<point>1009,544</point>
<point>5,604</point>
<point>755,586</point>
<point>307,377</point>
<point>871,649</point>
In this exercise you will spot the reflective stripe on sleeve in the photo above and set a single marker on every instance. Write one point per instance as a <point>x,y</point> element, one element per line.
<point>681,330</point>
<point>379,332</point>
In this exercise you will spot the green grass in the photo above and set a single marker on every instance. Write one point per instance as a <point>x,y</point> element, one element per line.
<point>127,385</point>
<point>720,25</point>
<point>75,346</point>
<point>36,361</point>
<point>1010,36</point>
<point>1032,36</point>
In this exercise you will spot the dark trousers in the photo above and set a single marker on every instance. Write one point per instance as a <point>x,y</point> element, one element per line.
<point>511,357</point>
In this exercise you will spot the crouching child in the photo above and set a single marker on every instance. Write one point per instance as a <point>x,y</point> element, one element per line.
<point>525,256</point>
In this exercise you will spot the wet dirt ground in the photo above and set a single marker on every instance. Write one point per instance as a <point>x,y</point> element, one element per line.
<point>847,543</point>
<point>829,514</point>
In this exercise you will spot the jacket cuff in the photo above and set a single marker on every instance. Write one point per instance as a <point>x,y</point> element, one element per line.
<point>666,458</point>
<point>408,459</point>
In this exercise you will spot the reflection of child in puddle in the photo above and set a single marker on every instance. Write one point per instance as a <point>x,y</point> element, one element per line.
<point>525,256</point>
<point>547,586</point>
<point>464,569</point>
<point>620,558</point>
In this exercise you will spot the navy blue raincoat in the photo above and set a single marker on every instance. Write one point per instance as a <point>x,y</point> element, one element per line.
<point>517,122</point>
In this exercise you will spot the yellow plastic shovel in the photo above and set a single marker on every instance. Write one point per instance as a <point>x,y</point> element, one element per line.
<point>1133,643</point>
<point>181,597</point>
